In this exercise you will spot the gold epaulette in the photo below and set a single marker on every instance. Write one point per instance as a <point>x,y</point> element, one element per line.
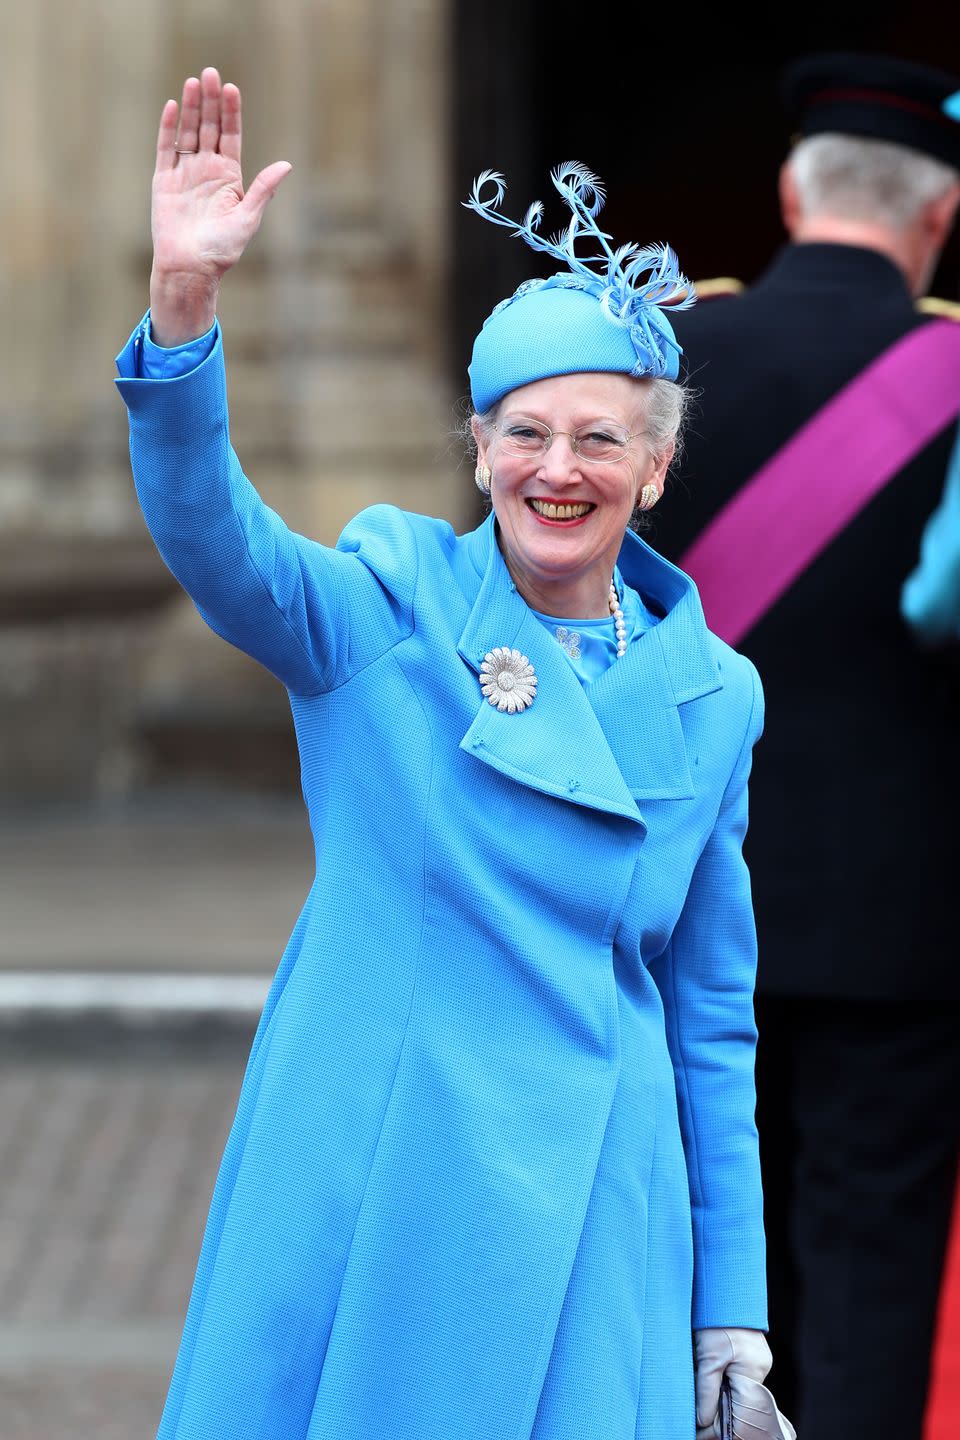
<point>722,285</point>
<point>933,305</point>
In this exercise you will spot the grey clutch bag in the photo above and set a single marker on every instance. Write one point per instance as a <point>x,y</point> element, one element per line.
<point>726,1411</point>
<point>748,1411</point>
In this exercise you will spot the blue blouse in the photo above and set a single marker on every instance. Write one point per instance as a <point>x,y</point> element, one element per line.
<point>591,645</point>
<point>159,363</point>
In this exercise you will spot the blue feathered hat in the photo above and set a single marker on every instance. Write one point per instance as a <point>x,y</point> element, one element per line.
<point>604,312</point>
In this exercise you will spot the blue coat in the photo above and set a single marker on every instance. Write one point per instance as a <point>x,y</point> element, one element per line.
<point>494,1153</point>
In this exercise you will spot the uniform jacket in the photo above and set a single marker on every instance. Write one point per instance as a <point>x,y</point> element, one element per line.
<point>494,1153</point>
<point>852,843</point>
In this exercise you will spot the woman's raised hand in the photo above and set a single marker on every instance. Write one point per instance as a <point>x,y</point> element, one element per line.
<point>202,219</point>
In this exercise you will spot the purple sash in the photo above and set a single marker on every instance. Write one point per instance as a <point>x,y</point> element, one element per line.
<point>789,511</point>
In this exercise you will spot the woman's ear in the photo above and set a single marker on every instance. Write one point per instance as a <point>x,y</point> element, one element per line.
<point>656,475</point>
<point>664,463</point>
<point>479,439</point>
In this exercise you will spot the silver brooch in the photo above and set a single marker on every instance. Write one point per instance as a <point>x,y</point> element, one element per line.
<point>508,679</point>
<point>570,640</point>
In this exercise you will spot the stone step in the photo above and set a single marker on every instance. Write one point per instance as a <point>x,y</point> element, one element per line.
<point>335,311</point>
<point>252,746</point>
<point>51,577</point>
<point>322,408</point>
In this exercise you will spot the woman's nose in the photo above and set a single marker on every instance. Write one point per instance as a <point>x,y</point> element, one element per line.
<point>559,459</point>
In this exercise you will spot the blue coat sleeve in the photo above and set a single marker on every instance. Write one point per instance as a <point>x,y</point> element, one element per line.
<point>312,615</point>
<point>706,977</point>
<point>930,599</point>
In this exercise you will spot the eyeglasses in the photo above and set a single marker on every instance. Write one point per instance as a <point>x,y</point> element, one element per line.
<point>599,442</point>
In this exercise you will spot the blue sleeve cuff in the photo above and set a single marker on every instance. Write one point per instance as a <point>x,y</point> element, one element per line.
<point>169,366</point>
<point>159,363</point>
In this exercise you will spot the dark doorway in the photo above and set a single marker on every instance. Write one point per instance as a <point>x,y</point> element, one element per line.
<point>679,116</point>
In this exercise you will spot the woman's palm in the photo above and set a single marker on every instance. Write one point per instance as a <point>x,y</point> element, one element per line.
<point>202,219</point>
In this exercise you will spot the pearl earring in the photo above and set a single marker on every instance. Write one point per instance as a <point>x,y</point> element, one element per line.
<point>649,496</point>
<point>482,477</point>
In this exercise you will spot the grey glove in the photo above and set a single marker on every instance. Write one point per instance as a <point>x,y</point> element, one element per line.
<point>744,1357</point>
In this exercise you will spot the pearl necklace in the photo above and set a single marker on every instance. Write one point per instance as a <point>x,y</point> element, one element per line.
<point>618,621</point>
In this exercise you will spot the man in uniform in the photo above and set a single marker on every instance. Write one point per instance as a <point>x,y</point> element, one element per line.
<point>855,796</point>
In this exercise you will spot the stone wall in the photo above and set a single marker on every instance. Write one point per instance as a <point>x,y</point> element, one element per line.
<point>334,327</point>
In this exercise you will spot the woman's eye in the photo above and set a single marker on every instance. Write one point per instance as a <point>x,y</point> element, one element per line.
<point>523,432</point>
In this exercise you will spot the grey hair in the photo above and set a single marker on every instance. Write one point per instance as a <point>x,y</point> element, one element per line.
<point>856,178</point>
<point>666,411</point>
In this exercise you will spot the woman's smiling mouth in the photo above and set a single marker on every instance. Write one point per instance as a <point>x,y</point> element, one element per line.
<point>551,510</point>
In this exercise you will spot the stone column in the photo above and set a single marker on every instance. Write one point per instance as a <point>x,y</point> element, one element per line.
<point>334,328</point>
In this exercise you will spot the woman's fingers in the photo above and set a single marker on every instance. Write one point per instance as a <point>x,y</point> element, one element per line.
<point>188,136</point>
<point>230,124</point>
<point>209,121</point>
<point>167,136</point>
<point>263,188</point>
<point>210,92</point>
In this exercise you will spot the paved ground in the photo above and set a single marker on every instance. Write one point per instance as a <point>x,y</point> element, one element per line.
<point>109,1141</point>
<point>112,1118</point>
<point>191,882</point>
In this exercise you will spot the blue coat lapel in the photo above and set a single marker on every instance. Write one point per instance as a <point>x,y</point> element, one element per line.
<point>620,740</point>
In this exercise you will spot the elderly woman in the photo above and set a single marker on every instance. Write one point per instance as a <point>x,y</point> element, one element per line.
<point>493,1173</point>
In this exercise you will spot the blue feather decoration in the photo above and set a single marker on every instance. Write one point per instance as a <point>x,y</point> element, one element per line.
<point>615,276</point>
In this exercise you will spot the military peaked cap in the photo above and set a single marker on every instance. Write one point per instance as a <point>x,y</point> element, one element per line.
<point>877,96</point>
